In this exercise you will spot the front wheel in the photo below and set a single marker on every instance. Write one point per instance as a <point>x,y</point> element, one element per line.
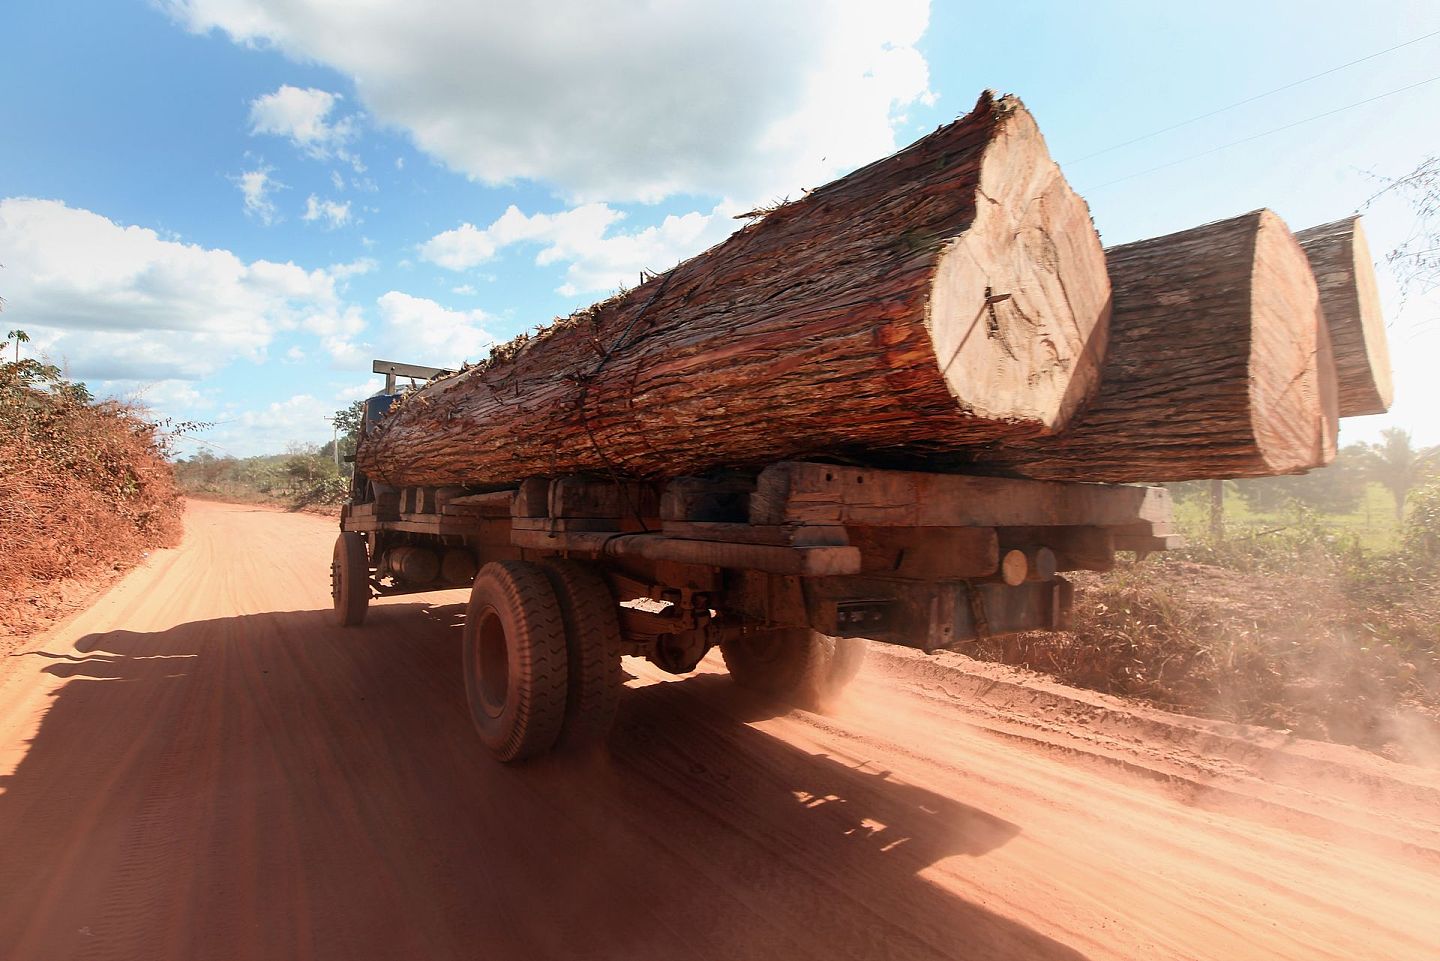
<point>794,664</point>
<point>515,660</point>
<point>350,579</point>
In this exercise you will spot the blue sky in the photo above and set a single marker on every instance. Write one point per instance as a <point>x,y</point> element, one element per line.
<point>226,208</point>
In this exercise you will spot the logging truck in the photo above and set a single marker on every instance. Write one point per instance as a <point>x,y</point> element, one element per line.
<point>788,569</point>
<point>898,409</point>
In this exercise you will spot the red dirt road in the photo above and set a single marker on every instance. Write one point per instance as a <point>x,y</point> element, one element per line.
<point>202,767</point>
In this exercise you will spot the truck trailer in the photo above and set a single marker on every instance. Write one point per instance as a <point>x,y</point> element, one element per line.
<point>789,569</point>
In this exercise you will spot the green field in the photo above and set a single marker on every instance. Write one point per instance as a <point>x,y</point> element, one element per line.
<point>1372,523</point>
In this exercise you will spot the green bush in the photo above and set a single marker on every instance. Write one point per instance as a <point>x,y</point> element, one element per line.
<point>1420,539</point>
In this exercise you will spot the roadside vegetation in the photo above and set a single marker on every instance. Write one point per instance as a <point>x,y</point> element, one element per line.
<point>1313,606</point>
<point>86,485</point>
<point>305,476</point>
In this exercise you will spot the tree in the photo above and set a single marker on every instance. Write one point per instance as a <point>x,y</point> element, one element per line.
<point>1416,262</point>
<point>1421,537</point>
<point>20,337</point>
<point>347,422</point>
<point>1397,465</point>
<point>1335,489</point>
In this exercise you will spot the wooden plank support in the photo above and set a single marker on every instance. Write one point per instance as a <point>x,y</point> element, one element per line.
<point>493,503</point>
<point>707,499</point>
<point>798,492</point>
<point>433,524</point>
<point>561,525</point>
<point>581,496</point>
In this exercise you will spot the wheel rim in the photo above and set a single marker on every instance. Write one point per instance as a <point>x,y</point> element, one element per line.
<point>335,573</point>
<point>492,663</point>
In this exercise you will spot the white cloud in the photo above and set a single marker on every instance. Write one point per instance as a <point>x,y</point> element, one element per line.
<point>294,355</point>
<point>465,290</point>
<point>410,329</point>
<point>582,237</point>
<point>336,180</point>
<point>122,303</point>
<point>302,418</point>
<point>303,115</point>
<point>420,331</point>
<point>613,100</point>
<point>354,392</point>
<point>332,212</point>
<point>179,399</point>
<point>361,265</point>
<point>257,186</point>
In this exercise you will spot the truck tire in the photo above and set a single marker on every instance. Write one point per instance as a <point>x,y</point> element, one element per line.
<point>797,665</point>
<point>515,657</point>
<point>350,579</point>
<point>592,635</point>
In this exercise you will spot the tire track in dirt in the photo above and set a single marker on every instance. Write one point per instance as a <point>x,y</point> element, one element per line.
<point>201,766</point>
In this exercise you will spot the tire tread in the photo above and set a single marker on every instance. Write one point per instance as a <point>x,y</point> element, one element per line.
<point>592,631</point>
<point>521,591</point>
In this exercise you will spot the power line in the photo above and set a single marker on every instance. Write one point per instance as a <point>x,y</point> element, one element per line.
<point>1258,96</point>
<point>1275,130</point>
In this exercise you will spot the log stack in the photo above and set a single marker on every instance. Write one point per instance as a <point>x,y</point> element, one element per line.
<point>1218,364</point>
<point>949,306</point>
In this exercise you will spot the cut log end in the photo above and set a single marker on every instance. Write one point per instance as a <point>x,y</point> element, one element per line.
<point>1350,297</point>
<point>1287,351</point>
<point>1020,306</point>
<point>1216,365</point>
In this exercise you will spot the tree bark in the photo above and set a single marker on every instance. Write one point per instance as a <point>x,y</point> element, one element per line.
<point>1350,298</point>
<point>949,295</point>
<point>1217,365</point>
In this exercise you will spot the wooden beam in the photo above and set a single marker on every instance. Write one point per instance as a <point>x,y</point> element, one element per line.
<point>798,492</point>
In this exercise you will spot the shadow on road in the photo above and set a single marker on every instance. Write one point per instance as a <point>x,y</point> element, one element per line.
<point>270,786</point>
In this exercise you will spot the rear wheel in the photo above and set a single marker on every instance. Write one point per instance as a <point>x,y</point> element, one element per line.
<point>350,579</point>
<point>592,634</point>
<point>794,664</point>
<point>515,660</point>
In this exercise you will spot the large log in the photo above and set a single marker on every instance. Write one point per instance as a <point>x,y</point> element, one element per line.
<point>952,294</point>
<point>1218,365</point>
<point>1351,301</point>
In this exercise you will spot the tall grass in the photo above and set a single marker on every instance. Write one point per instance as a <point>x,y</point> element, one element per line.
<point>1295,623</point>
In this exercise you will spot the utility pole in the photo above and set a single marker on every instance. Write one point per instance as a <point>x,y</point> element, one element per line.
<point>335,443</point>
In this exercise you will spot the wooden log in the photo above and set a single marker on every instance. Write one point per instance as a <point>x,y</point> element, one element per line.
<point>951,294</point>
<point>1350,298</point>
<point>1217,364</point>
